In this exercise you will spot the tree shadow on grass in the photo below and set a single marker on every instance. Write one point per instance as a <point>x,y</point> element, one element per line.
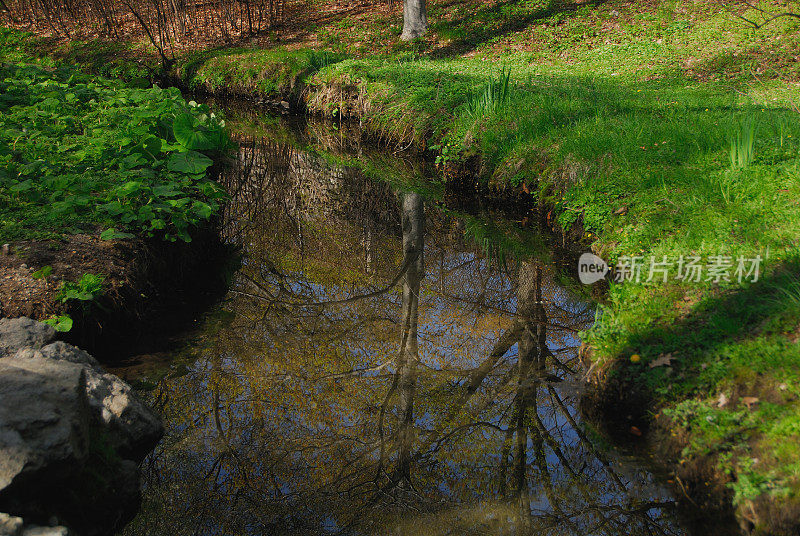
<point>496,21</point>
<point>740,337</point>
<point>768,61</point>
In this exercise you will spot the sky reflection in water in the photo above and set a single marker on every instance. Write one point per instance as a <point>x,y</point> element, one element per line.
<point>372,371</point>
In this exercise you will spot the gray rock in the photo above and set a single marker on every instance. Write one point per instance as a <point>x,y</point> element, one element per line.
<point>44,418</point>
<point>71,435</point>
<point>17,333</point>
<point>131,427</point>
<point>61,351</point>
<point>10,525</point>
<point>15,526</point>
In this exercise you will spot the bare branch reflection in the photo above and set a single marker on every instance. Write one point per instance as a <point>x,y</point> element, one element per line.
<point>297,411</point>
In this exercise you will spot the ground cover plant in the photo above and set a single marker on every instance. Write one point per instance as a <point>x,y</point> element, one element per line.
<point>80,153</point>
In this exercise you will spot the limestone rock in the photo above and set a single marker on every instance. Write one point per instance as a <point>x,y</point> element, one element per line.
<point>71,436</point>
<point>131,426</point>
<point>10,525</point>
<point>44,418</point>
<point>16,333</point>
<point>61,351</point>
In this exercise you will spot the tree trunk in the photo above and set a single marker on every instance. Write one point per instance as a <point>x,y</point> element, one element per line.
<point>413,221</point>
<point>415,19</point>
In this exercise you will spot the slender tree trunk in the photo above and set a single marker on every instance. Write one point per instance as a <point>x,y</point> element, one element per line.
<point>415,19</point>
<point>413,220</point>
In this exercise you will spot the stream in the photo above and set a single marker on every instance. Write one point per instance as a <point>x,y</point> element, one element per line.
<point>383,363</point>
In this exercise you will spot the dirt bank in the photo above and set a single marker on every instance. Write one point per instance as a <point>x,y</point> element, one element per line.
<point>150,286</point>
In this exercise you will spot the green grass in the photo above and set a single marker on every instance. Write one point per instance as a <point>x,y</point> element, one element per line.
<point>275,73</point>
<point>612,38</point>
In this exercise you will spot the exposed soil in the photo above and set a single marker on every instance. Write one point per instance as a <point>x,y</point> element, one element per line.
<point>23,294</point>
<point>151,287</point>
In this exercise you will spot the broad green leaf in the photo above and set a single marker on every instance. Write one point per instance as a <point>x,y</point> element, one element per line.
<point>62,323</point>
<point>22,186</point>
<point>43,272</point>
<point>167,190</point>
<point>128,188</point>
<point>189,162</point>
<point>196,137</point>
<point>203,210</point>
<point>151,146</point>
<point>113,234</point>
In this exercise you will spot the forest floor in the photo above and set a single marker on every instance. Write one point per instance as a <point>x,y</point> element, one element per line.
<point>666,132</point>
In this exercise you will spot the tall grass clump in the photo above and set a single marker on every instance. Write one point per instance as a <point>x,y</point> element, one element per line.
<point>743,141</point>
<point>318,60</point>
<point>494,95</point>
<point>787,290</point>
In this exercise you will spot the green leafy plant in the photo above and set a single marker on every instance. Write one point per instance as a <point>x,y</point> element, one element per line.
<point>61,323</point>
<point>43,272</point>
<point>88,288</point>
<point>113,234</point>
<point>448,152</point>
<point>77,152</point>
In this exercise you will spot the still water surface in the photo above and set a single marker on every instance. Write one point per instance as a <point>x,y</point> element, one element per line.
<point>382,364</point>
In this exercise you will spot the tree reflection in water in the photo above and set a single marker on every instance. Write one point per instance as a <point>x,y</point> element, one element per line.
<point>350,389</point>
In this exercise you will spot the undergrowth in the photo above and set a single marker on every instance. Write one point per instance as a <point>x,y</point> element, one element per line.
<point>78,153</point>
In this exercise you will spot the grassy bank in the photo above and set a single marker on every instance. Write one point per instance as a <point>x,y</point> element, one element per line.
<point>657,130</point>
